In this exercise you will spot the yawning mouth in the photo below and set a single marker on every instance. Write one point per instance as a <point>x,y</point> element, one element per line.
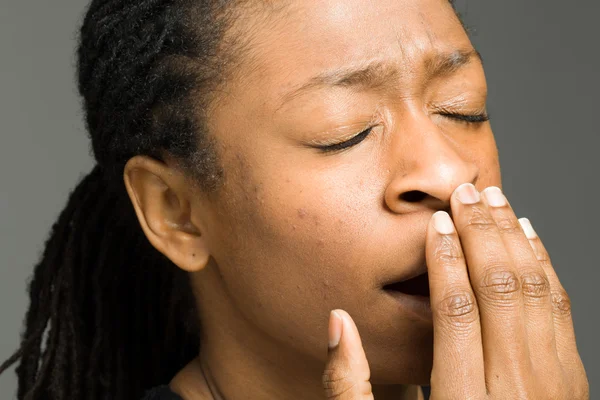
<point>418,285</point>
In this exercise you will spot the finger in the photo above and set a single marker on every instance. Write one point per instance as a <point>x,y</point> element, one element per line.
<point>535,285</point>
<point>496,284</point>
<point>566,346</point>
<point>347,374</point>
<point>458,365</point>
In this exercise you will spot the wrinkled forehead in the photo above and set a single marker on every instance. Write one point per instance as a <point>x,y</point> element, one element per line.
<point>305,38</point>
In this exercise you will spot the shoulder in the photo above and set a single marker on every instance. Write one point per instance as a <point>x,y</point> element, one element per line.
<point>161,393</point>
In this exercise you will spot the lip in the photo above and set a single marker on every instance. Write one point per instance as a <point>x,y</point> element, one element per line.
<point>415,305</point>
<point>419,269</point>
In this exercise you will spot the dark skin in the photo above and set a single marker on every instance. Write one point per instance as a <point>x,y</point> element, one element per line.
<point>297,231</point>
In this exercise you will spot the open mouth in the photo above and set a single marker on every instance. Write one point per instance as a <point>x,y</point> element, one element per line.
<point>418,285</point>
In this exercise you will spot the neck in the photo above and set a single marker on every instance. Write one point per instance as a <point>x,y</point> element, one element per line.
<point>240,361</point>
<point>196,382</point>
<point>234,372</point>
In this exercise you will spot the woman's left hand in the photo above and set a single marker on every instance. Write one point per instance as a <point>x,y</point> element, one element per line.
<point>516,339</point>
<point>501,318</point>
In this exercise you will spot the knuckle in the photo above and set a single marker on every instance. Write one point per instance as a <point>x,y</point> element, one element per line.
<point>500,284</point>
<point>448,251</point>
<point>480,220</point>
<point>336,383</point>
<point>561,303</point>
<point>508,226</point>
<point>535,285</point>
<point>458,308</point>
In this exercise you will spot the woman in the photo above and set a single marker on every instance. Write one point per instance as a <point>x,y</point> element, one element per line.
<point>283,160</point>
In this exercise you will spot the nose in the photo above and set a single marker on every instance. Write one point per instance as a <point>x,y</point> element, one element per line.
<point>426,166</point>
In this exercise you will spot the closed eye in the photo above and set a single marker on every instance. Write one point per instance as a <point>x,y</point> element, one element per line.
<point>469,118</point>
<point>348,143</point>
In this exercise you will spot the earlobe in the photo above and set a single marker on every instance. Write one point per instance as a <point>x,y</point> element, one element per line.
<point>161,199</point>
<point>191,257</point>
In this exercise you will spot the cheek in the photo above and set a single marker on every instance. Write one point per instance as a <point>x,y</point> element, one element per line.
<point>300,234</point>
<point>294,247</point>
<point>296,220</point>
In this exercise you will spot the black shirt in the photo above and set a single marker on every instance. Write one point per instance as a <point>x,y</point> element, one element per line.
<point>161,393</point>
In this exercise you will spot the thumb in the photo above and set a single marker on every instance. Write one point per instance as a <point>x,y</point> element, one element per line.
<point>347,373</point>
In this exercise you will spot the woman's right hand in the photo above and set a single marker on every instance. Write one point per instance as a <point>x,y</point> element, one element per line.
<point>501,319</point>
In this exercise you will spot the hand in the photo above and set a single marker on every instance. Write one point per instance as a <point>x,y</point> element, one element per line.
<point>501,319</point>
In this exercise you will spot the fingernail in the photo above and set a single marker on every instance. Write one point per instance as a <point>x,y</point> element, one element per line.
<point>467,194</point>
<point>527,228</point>
<point>335,329</point>
<point>443,223</point>
<point>494,196</point>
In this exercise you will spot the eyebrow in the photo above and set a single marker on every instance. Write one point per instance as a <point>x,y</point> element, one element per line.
<point>379,74</point>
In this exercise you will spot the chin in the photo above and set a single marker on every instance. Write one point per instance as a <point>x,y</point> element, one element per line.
<point>409,362</point>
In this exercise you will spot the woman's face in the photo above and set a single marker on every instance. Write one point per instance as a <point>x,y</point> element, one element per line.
<point>297,230</point>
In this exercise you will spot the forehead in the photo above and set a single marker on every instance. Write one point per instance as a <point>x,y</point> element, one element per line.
<point>287,49</point>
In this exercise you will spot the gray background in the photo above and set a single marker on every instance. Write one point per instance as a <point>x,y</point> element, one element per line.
<point>542,62</point>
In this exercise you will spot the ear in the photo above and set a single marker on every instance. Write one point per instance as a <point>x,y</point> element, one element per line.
<point>161,197</point>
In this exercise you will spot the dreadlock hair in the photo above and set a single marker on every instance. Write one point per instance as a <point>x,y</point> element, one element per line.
<point>110,316</point>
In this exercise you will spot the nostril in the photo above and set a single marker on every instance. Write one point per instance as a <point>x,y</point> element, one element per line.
<point>413,196</point>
